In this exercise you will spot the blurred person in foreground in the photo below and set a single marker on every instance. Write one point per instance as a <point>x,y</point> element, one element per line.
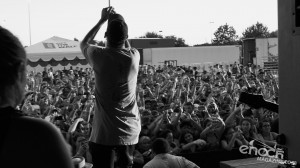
<point>24,141</point>
<point>163,159</point>
<point>116,124</point>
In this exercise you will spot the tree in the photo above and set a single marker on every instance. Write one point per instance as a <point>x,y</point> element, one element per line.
<point>179,42</point>
<point>204,44</point>
<point>225,35</point>
<point>273,34</point>
<point>152,35</point>
<point>257,30</point>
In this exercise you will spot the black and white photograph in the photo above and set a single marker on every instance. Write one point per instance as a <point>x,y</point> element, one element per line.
<point>149,84</point>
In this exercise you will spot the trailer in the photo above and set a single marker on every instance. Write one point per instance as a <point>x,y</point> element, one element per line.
<point>262,52</point>
<point>192,56</point>
<point>151,42</point>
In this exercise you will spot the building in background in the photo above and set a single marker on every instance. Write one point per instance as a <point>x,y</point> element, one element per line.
<point>262,52</point>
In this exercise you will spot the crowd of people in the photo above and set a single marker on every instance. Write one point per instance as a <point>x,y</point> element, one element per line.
<point>121,114</point>
<point>194,109</point>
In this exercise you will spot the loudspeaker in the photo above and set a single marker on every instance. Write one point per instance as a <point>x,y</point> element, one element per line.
<point>257,101</point>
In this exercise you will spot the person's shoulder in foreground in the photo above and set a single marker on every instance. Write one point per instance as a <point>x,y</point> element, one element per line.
<point>35,143</point>
<point>164,160</point>
<point>25,142</point>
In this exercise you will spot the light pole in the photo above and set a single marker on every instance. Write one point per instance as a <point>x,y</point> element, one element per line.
<point>210,31</point>
<point>161,33</point>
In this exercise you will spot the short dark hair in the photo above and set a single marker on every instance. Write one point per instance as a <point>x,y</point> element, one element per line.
<point>189,104</point>
<point>247,113</point>
<point>12,62</point>
<point>12,57</point>
<point>160,146</point>
<point>117,29</point>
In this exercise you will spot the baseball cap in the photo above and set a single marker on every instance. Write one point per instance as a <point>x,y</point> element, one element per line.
<point>117,30</point>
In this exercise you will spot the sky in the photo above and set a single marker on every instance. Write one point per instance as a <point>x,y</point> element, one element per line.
<point>193,20</point>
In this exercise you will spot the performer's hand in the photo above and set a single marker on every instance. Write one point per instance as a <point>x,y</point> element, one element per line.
<point>106,12</point>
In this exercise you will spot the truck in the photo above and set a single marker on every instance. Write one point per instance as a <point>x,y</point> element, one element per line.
<point>262,52</point>
<point>192,56</point>
<point>142,43</point>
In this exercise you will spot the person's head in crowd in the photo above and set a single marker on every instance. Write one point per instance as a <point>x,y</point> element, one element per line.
<point>80,91</point>
<point>160,146</point>
<point>62,75</point>
<point>45,89</point>
<point>213,109</point>
<point>58,121</point>
<point>89,96</point>
<point>148,104</point>
<point>246,125</point>
<point>144,143</point>
<point>248,113</point>
<point>188,107</point>
<point>44,102</point>
<point>82,81</point>
<point>265,126</point>
<point>196,106</point>
<point>216,91</point>
<point>186,137</point>
<point>167,135</point>
<point>228,74</point>
<point>38,75</point>
<point>145,129</point>
<point>226,107</point>
<point>177,101</point>
<point>201,111</point>
<point>207,91</point>
<point>241,82</point>
<point>83,128</point>
<point>192,79</point>
<point>71,72</point>
<point>146,117</point>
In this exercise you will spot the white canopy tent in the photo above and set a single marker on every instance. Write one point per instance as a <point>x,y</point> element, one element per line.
<point>55,51</point>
